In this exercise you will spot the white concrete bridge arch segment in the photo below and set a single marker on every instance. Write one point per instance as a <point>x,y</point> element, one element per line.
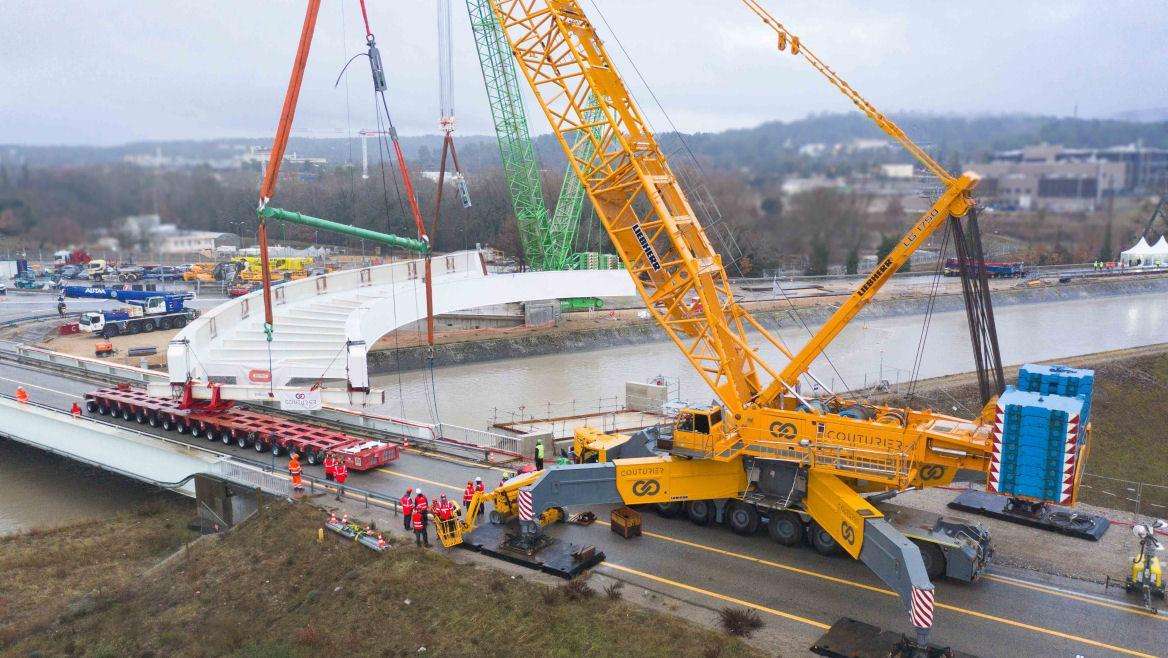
<point>326,324</point>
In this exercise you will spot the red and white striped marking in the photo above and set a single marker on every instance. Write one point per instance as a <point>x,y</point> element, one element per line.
<point>1070,456</point>
<point>922,608</point>
<point>996,450</point>
<point>525,505</point>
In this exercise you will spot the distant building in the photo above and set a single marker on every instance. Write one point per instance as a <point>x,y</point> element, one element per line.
<point>899,171</point>
<point>1145,169</point>
<point>258,156</point>
<point>1054,178</point>
<point>799,185</point>
<point>197,242</point>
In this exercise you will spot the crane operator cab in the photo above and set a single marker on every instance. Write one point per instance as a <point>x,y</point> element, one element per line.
<point>697,430</point>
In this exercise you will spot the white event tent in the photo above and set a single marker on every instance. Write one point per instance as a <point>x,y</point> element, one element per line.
<point>1145,255</point>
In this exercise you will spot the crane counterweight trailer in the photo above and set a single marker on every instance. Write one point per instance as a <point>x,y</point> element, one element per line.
<point>243,427</point>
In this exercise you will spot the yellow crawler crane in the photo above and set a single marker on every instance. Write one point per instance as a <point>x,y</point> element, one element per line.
<point>767,446</point>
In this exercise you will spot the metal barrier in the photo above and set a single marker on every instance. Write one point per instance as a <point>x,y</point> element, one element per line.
<point>80,365</point>
<point>251,476</point>
<point>1140,498</point>
<point>446,438</point>
<point>517,446</point>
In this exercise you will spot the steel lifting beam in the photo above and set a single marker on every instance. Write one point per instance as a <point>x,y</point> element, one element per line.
<point>291,217</point>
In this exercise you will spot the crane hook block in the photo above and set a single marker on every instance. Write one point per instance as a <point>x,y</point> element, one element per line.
<point>377,68</point>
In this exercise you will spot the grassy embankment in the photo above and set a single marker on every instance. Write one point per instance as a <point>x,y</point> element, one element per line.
<point>1129,415</point>
<point>270,589</point>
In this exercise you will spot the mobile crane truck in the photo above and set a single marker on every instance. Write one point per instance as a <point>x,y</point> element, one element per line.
<point>146,310</point>
<point>766,447</point>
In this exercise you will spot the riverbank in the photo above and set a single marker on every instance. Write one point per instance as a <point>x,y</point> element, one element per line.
<point>238,596</point>
<point>589,331</point>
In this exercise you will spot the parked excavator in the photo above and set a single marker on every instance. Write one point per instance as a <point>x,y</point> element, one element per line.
<point>766,446</point>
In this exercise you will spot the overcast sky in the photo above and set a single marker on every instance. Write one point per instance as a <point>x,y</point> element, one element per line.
<point>112,71</point>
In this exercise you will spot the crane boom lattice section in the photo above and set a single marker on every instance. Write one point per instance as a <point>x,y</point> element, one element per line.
<point>636,196</point>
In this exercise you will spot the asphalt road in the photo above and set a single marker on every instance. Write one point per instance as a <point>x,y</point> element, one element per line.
<point>798,592</point>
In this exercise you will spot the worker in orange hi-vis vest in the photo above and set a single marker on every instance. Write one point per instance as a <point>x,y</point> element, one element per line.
<point>295,471</point>
<point>21,395</point>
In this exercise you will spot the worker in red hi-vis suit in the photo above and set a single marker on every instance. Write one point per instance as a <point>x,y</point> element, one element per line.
<point>407,507</point>
<point>75,410</point>
<point>330,465</point>
<point>419,524</point>
<point>340,474</point>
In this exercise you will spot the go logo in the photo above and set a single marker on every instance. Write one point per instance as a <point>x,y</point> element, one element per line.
<point>643,488</point>
<point>782,430</point>
<point>932,472</point>
<point>848,533</point>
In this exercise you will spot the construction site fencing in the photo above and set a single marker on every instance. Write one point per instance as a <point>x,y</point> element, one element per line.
<point>1140,498</point>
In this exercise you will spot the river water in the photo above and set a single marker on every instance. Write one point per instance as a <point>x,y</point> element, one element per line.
<point>37,489</point>
<point>866,352</point>
<point>41,490</point>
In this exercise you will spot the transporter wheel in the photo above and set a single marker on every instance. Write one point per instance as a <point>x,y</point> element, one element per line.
<point>822,542</point>
<point>933,558</point>
<point>148,326</point>
<point>179,323</point>
<point>152,420</point>
<point>91,406</point>
<point>132,328</point>
<point>260,446</point>
<point>786,528</point>
<point>140,417</point>
<point>167,424</point>
<point>276,450</point>
<point>127,413</point>
<point>700,512</point>
<point>212,433</point>
<point>225,436</point>
<point>313,457</point>
<point>196,430</point>
<point>164,324</point>
<point>103,409</point>
<point>668,510</point>
<point>743,518</point>
<point>243,440</point>
<point>182,426</point>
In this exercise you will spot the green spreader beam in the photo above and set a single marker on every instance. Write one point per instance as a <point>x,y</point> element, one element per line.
<point>546,240</point>
<point>281,215</point>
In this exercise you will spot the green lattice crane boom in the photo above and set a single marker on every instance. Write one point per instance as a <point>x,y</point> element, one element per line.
<point>546,238</point>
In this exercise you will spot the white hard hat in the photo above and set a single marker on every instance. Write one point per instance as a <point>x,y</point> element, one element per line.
<point>478,479</point>
<point>418,491</point>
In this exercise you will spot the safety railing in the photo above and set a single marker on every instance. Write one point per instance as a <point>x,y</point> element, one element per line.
<point>79,364</point>
<point>252,477</point>
<point>517,446</point>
